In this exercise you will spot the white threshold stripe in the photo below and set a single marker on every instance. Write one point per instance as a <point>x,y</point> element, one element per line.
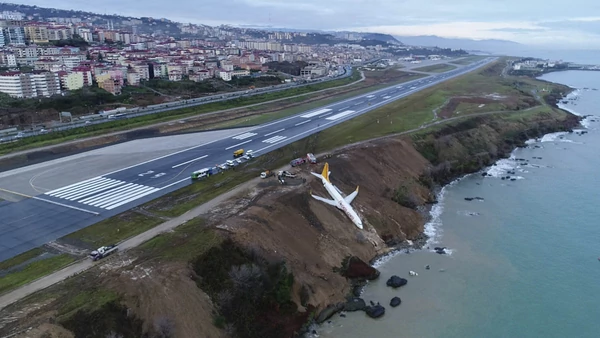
<point>99,183</point>
<point>72,185</point>
<point>274,139</point>
<point>340,115</point>
<point>243,136</point>
<point>301,123</point>
<point>190,161</point>
<point>237,145</point>
<point>90,184</point>
<point>131,199</point>
<point>275,132</point>
<point>112,192</point>
<point>121,197</point>
<point>129,195</point>
<point>83,193</point>
<point>315,113</point>
<point>66,205</point>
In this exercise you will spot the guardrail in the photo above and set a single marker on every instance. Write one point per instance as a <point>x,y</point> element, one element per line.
<point>159,108</point>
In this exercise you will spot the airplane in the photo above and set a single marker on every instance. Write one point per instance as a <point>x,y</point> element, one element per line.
<point>338,201</point>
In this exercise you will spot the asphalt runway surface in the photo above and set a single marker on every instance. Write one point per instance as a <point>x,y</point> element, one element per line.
<point>52,210</point>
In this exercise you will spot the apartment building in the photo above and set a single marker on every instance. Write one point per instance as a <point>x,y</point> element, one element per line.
<point>86,72</point>
<point>59,33</point>
<point>110,84</point>
<point>71,81</point>
<point>36,33</point>
<point>14,35</point>
<point>29,85</point>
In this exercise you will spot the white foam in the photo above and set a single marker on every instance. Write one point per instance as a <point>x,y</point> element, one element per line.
<point>552,137</point>
<point>502,166</point>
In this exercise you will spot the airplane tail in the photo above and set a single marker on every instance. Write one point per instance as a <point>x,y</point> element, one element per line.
<point>325,173</point>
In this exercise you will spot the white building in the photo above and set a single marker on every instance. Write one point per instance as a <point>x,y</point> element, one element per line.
<point>225,75</point>
<point>28,85</point>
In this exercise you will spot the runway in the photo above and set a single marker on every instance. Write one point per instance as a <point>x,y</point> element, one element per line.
<point>42,215</point>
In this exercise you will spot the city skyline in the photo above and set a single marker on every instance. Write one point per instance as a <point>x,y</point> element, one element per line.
<point>534,23</point>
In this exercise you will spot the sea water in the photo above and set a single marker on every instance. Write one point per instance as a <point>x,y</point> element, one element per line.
<point>524,261</point>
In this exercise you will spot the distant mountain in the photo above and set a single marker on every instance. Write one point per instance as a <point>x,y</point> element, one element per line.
<point>381,37</point>
<point>490,45</point>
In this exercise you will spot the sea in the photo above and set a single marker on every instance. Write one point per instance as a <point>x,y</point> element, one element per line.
<point>522,262</point>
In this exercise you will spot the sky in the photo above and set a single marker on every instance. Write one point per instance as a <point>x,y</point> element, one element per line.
<point>540,23</point>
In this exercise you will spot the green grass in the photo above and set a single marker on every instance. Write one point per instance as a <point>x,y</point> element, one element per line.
<point>115,229</point>
<point>141,121</point>
<point>439,68</point>
<point>268,117</point>
<point>200,192</point>
<point>34,271</point>
<point>20,259</point>
<point>186,242</point>
<point>86,300</point>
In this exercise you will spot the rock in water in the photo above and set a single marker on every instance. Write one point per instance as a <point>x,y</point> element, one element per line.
<point>328,312</point>
<point>396,282</point>
<point>355,304</point>
<point>395,301</point>
<point>375,311</point>
<point>357,269</point>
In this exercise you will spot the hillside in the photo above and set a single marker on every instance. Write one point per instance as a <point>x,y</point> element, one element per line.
<point>489,45</point>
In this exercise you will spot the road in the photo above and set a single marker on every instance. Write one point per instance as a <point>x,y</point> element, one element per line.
<point>35,220</point>
<point>342,72</point>
<point>83,265</point>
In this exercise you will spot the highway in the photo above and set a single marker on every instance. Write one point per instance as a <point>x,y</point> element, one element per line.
<point>39,219</point>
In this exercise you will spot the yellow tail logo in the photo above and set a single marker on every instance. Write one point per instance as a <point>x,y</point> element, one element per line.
<point>325,172</point>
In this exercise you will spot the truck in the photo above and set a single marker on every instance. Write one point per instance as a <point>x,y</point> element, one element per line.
<point>238,153</point>
<point>285,173</point>
<point>103,251</point>
<point>202,173</point>
<point>266,173</point>
<point>311,158</point>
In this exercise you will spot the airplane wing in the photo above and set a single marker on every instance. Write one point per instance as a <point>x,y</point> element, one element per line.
<point>326,200</point>
<point>351,197</point>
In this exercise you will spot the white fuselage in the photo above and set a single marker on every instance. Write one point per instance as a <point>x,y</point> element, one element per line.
<point>342,204</point>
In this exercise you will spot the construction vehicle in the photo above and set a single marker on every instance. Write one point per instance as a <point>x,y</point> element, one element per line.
<point>285,173</point>
<point>202,173</point>
<point>238,153</point>
<point>267,173</point>
<point>103,251</point>
<point>311,158</point>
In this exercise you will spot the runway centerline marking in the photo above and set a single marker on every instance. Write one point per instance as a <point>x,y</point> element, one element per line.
<point>301,123</point>
<point>275,132</point>
<point>190,161</point>
<point>237,145</point>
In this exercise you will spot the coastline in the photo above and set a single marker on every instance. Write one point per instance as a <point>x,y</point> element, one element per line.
<point>432,227</point>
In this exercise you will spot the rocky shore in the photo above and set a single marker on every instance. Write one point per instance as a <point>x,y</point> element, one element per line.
<point>445,166</point>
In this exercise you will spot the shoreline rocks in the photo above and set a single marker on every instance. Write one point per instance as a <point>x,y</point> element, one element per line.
<point>395,301</point>
<point>356,269</point>
<point>396,282</point>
